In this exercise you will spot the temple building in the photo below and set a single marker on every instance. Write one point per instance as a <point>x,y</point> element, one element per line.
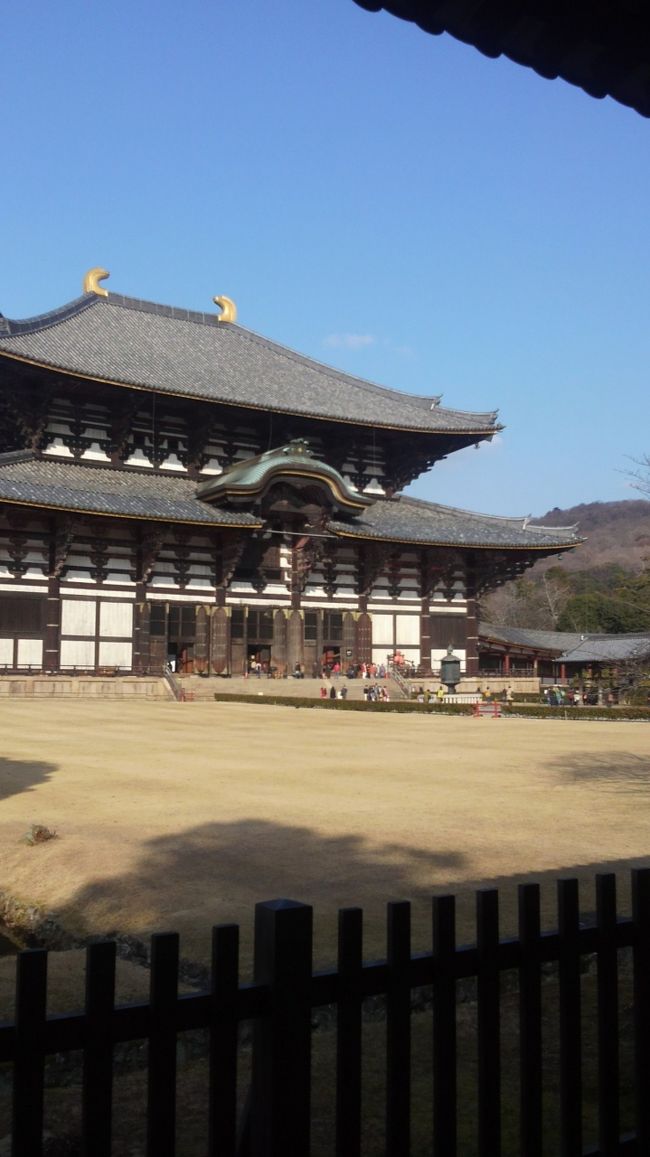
<point>175,488</point>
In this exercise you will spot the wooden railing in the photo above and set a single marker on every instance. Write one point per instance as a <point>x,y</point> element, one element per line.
<point>277,1119</point>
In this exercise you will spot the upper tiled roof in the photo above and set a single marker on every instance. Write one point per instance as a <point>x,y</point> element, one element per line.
<point>72,486</point>
<point>404,519</point>
<point>155,347</point>
<point>603,47</point>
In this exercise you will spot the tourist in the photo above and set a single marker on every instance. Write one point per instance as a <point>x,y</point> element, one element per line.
<point>509,695</point>
<point>343,693</point>
<point>440,693</point>
<point>323,692</point>
<point>332,692</point>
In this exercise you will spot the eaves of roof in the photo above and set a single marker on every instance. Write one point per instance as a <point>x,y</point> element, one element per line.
<point>407,520</point>
<point>603,48</point>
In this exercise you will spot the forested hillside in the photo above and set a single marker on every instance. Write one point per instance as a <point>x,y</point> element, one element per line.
<point>602,585</point>
<point>617,534</point>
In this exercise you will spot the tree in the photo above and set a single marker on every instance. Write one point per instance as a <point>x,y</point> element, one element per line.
<point>640,475</point>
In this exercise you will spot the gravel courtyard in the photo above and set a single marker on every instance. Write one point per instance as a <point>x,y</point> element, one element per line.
<point>180,816</point>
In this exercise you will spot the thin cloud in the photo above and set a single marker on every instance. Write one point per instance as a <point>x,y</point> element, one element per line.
<point>349,341</point>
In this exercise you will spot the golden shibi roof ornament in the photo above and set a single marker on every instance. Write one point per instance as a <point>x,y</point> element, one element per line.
<point>227,307</point>
<point>92,280</point>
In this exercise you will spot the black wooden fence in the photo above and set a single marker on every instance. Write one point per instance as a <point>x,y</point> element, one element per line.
<point>280,1002</point>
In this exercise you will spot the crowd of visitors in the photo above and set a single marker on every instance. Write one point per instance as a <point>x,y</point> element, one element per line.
<point>576,697</point>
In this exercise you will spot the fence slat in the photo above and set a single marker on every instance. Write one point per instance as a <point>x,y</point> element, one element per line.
<point>222,1122</point>
<point>161,1105</point>
<point>530,1022</point>
<point>570,1019</point>
<point>641,953</point>
<point>444,1028</point>
<point>608,1056</point>
<point>29,1064</point>
<point>97,1092</point>
<point>280,1101</point>
<point>348,1039</point>
<point>489,1024</point>
<point>398,1031</point>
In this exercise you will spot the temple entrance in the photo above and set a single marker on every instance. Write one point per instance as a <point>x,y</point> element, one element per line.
<point>173,627</point>
<point>332,638</point>
<point>257,653</point>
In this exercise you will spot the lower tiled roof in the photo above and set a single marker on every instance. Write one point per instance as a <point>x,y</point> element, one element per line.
<point>34,481</point>
<point>74,486</point>
<point>404,519</point>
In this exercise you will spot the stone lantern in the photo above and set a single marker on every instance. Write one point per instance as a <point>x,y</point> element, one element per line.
<point>450,670</point>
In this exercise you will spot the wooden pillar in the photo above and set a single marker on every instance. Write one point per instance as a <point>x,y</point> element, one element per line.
<point>140,661</point>
<point>471,640</point>
<point>349,639</point>
<point>425,636</point>
<point>279,646</point>
<point>364,638</point>
<point>295,639</point>
<point>220,648</point>
<point>506,663</point>
<point>51,649</point>
<point>202,640</point>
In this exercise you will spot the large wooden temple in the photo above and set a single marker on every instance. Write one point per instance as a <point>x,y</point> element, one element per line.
<point>174,487</point>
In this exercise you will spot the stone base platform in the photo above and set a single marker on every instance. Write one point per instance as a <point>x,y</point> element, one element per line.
<point>84,686</point>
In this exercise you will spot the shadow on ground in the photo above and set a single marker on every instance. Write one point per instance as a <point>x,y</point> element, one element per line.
<point>216,873</point>
<point>615,771</point>
<point>18,775</point>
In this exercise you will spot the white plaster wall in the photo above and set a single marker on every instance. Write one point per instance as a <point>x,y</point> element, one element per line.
<point>78,617</point>
<point>382,630</point>
<point>407,631</point>
<point>6,651</point>
<point>115,619</point>
<point>30,652</point>
<point>77,653</point>
<point>115,654</point>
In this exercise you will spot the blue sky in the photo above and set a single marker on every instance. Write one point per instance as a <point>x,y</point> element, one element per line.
<point>386,201</point>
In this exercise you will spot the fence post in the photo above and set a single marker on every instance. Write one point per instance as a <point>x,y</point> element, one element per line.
<point>280,1099</point>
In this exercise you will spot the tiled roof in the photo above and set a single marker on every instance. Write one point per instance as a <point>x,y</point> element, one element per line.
<point>27,479</point>
<point>609,649</point>
<point>404,519</point>
<point>155,347</point>
<point>603,48</point>
<point>571,647</point>
<point>129,493</point>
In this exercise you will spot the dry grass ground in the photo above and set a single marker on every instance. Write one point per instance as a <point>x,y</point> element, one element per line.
<point>183,815</point>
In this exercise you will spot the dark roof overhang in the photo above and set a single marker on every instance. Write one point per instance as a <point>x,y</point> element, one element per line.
<point>603,48</point>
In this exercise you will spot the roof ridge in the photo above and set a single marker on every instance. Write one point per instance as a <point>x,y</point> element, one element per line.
<point>50,318</point>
